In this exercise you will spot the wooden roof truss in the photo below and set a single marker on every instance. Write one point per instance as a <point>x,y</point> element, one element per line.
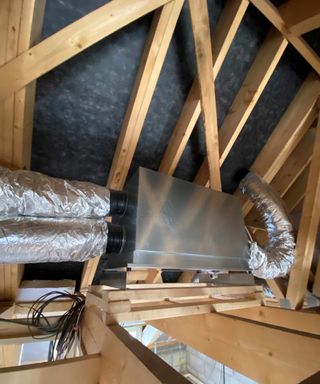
<point>290,159</point>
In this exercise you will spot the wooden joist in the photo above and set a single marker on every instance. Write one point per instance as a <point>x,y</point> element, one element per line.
<point>308,229</point>
<point>10,355</point>
<point>119,306</point>
<point>164,292</point>
<point>71,40</point>
<point>20,27</point>
<point>13,333</point>
<point>247,97</point>
<point>295,164</point>
<point>265,353</point>
<point>11,10</point>
<point>160,35</point>
<point>271,12</point>
<point>291,128</point>
<point>288,175</point>
<point>277,287</point>
<point>78,370</point>
<point>301,321</point>
<point>201,33</point>
<point>55,308</point>
<point>124,359</point>
<point>155,50</point>
<point>88,272</point>
<point>222,38</point>
<point>301,17</point>
<point>147,276</point>
<point>32,13</point>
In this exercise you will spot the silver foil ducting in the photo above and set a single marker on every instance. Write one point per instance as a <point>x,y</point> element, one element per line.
<point>27,193</point>
<point>277,257</point>
<point>34,240</point>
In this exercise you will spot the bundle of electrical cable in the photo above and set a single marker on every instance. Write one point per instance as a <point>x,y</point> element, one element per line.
<point>64,330</point>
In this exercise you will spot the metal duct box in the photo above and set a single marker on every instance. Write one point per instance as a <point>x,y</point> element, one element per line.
<point>171,223</point>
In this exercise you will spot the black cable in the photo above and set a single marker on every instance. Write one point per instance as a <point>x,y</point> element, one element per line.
<point>65,329</point>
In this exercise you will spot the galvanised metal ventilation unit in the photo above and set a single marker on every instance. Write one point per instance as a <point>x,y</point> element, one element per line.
<point>171,223</point>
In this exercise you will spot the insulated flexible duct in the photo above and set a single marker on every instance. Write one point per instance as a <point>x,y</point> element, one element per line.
<point>27,193</point>
<point>54,240</point>
<point>277,257</point>
<point>45,219</point>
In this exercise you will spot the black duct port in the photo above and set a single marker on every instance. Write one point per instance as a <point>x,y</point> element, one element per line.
<point>116,238</point>
<point>118,203</point>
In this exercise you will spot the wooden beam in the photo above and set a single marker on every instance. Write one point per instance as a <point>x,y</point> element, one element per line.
<point>222,38</point>
<point>201,33</point>
<point>88,272</point>
<point>273,15</point>
<point>32,13</point>
<point>10,355</point>
<point>154,276</point>
<point>313,379</point>
<point>296,320</point>
<point>78,370</point>
<point>295,164</point>
<point>277,287</point>
<point>10,277</point>
<point>21,21</point>
<point>267,354</point>
<point>164,293</point>
<point>13,333</point>
<point>301,17</point>
<point>155,50</point>
<point>247,97</point>
<point>236,304</point>
<point>287,175</point>
<point>21,309</point>
<point>316,283</point>
<point>71,40</point>
<point>308,230</point>
<point>162,310</point>
<point>187,276</point>
<point>297,192</point>
<point>137,275</point>
<point>124,359</point>
<point>291,128</point>
<point>10,38</point>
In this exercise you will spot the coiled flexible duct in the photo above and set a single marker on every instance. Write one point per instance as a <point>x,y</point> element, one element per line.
<point>276,259</point>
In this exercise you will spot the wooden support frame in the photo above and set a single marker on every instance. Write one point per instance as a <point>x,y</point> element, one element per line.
<point>71,40</point>
<point>274,16</point>
<point>155,50</point>
<point>255,82</point>
<point>291,128</point>
<point>301,321</point>
<point>201,33</point>
<point>119,306</point>
<point>262,352</point>
<point>288,174</point>
<point>301,17</point>
<point>124,359</point>
<point>79,370</point>
<point>22,61</point>
<point>21,24</point>
<point>13,333</point>
<point>222,37</point>
<point>297,191</point>
<point>308,230</point>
